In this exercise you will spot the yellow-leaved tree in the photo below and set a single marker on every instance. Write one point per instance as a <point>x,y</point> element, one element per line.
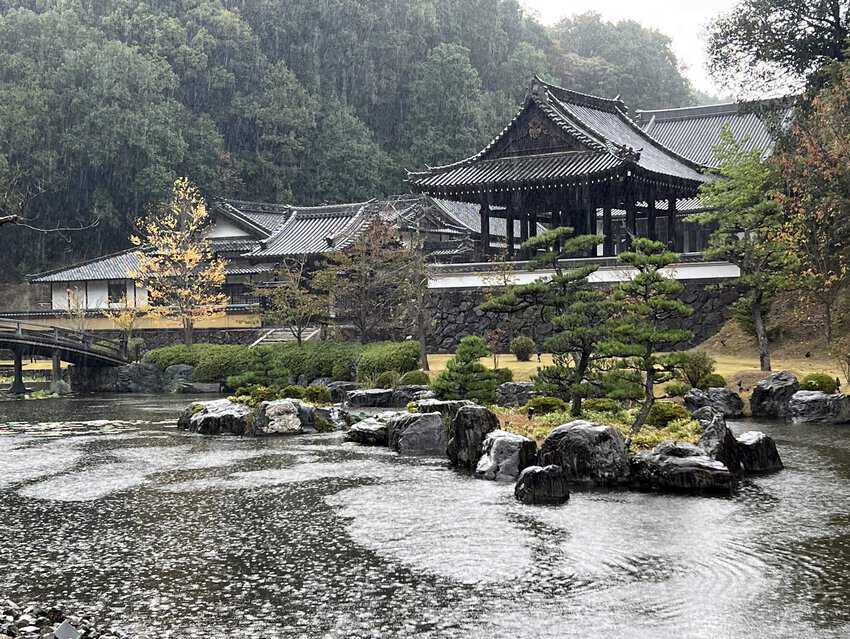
<point>176,262</point>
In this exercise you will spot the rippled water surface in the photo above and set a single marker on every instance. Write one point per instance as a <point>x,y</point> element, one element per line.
<point>104,504</point>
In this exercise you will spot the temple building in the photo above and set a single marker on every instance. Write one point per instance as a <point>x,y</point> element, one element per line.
<point>565,159</point>
<point>571,159</point>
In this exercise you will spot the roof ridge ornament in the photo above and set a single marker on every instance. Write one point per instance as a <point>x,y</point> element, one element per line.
<point>626,153</point>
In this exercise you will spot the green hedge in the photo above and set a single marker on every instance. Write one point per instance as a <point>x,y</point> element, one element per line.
<point>388,356</point>
<point>218,362</point>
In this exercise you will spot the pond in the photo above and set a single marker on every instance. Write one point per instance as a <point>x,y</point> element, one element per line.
<point>105,505</point>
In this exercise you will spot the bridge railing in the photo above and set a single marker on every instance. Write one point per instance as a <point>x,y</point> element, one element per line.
<point>59,337</point>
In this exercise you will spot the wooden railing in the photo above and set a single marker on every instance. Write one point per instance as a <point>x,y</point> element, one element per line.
<point>62,337</point>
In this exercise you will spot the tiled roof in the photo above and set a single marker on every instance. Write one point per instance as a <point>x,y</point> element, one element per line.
<point>109,267</point>
<point>233,244</point>
<point>694,132</point>
<point>611,141</point>
<point>242,268</point>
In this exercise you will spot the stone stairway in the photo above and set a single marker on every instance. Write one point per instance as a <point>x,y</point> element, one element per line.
<point>284,335</point>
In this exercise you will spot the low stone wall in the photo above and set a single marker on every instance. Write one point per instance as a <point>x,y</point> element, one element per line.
<point>456,314</point>
<point>157,337</point>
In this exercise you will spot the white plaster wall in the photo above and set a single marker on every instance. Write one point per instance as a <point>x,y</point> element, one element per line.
<point>684,271</point>
<point>225,228</point>
<point>97,295</point>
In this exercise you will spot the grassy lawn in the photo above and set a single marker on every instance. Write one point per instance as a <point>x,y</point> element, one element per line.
<point>522,370</point>
<point>743,368</point>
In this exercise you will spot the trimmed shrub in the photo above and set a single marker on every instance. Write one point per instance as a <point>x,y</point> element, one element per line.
<point>694,366</point>
<point>601,405</point>
<point>388,356</point>
<point>236,382</point>
<point>503,375</point>
<point>677,389</point>
<point>320,359</point>
<point>663,413</point>
<point>546,405</point>
<point>254,394</point>
<point>166,356</point>
<point>465,376</point>
<point>712,381</point>
<point>387,379</point>
<point>523,348</point>
<point>317,394</point>
<point>293,391</point>
<point>341,372</point>
<point>220,361</point>
<point>415,378</point>
<point>819,382</point>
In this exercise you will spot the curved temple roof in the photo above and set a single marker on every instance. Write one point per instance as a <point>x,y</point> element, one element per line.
<point>596,140</point>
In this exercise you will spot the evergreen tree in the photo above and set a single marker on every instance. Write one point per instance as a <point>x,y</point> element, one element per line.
<point>648,303</point>
<point>578,310</point>
<point>465,376</point>
<point>746,220</point>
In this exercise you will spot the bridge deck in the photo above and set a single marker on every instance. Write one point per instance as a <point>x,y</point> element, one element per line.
<point>75,347</point>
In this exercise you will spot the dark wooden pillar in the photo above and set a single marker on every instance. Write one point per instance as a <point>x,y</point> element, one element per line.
<point>56,373</point>
<point>18,387</point>
<point>608,232</point>
<point>631,219</point>
<point>673,242</point>
<point>556,220</point>
<point>484,244</point>
<point>509,227</point>
<point>532,230</point>
<point>651,230</point>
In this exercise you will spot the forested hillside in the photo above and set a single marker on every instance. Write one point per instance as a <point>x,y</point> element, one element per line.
<point>104,102</point>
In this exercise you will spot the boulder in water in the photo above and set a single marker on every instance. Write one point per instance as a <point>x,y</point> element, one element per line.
<point>661,471</point>
<point>772,395</point>
<point>724,400</point>
<point>468,429</point>
<point>589,453</point>
<point>807,407</point>
<point>282,417</point>
<point>717,440</point>
<point>538,485</point>
<point>417,433</point>
<point>219,416</point>
<point>448,408</point>
<point>176,376</point>
<point>339,390</point>
<point>370,432</point>
<point>505,455</point>
<point>758,453</point>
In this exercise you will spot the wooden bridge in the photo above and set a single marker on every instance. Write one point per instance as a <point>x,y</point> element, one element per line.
<point>75,347</point>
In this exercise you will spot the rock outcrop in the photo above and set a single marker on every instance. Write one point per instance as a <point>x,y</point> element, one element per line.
<point>505,455</point>
<point>282,417</point>
<point>216,417</point>
<point>515,393</point>
<point>369,432</point>
<point>722,399</point>
<point>717,440</point>
<point>370,398</point>
<point>417,434</point>
<point>466,435</point>
<point>538,485</point>
<point>771,396</point>
<point>448,408</point>
<point>807,407</point>
<point>176,377</point>
<point>339,390</point>
<point>589,453</point>
<point>672,467</point>
<point>758,453</point>
<point>403,395</point>
<point>330,418</point>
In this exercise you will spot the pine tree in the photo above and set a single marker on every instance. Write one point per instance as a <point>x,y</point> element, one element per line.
<point>465,376</point>
<point>648,303</point>
<point>578,310</point>
<point>746,221</point>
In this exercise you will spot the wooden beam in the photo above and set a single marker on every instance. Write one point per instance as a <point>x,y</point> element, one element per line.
<point>607,232</point>
<point>631,219</point>
<point>509,228</point>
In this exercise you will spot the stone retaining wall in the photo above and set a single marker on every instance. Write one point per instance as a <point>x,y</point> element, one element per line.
<point>455,315</point>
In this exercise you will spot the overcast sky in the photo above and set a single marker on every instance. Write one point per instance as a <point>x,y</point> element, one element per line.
<point>684,22</point>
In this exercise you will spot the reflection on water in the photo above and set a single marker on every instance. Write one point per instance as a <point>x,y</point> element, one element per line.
<point>104,504</point>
